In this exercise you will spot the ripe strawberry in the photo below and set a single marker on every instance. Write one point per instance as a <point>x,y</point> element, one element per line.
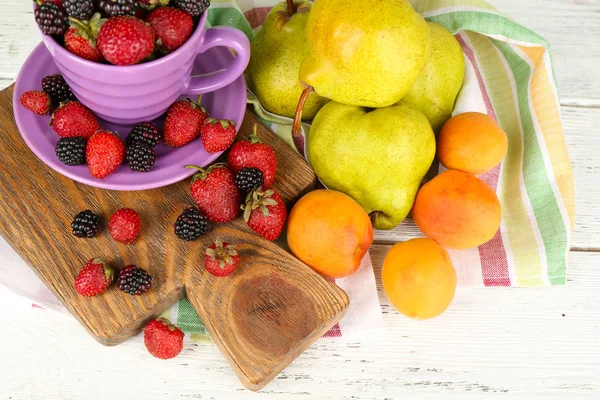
<point>104,153</point>
<point>254,154</point>
<point>80,38</point>
<point>172,27</point>
<point>265,213</point>
<point>94,277</point>
<point>73,119</point>
<point>124,225</point>
<point>37,101</point>
<point>220,258</point>
<point>125,40</point>
<point>183,123</point>
<point>162,339</point>
<point>215,193</point>
<point>217,135</point>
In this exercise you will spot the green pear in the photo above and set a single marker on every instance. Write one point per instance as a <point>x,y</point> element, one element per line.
<point>435,90</point>
<point>364,53</point>
<point>376,156</point>
<point>277,51</point>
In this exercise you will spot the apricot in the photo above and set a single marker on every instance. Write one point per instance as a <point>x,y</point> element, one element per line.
<point>458,210</point>
<point>330,232</point>
<point>419,278</point>
<point>471,142</point>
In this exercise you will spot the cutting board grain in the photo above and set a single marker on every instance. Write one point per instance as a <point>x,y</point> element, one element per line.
<point>262,316</point>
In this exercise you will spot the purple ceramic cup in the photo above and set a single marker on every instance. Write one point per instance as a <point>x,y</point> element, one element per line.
<point>127,95</point>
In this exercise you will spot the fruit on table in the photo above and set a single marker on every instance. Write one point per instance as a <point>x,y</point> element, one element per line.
<point>217,134</point>
<point>80,38</point>
<point>277,51</point>
<point>95,276</point>
<point>36,101</point>
<point>458,210</point>
<point>85,224</point>
<point>330,232</point>
<point>162,339</point>
<point>253,153</point>
<point>125,40</point>
<point>144,132</point>
<point>364,53</point>
<point>215,193</point>
<point>247,179</point>
<point>124,225</point>
<point>191,224</point>
<point>378,157</point>
<point>140,157</point>
<point>419,278</point>
<point>265,213</point>
<point>435,90</point>
<point>104,153</point>
<point>73,119</point>
<point>134,280</point>
<point>192,7</point>
<point>183,122</point>
<point>58,89</point>
<point>221,258</point>
<point>51,18</point>
<point>71,150</point>
<point>172,27</point>
<point>472,142</point>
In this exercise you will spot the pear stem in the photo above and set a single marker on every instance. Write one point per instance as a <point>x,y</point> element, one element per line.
<point>291,7</point>
<point>297,127</point>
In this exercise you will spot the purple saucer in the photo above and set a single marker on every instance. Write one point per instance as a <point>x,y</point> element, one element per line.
<point>226,103</point>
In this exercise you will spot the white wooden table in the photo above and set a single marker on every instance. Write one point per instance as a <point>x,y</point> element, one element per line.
<point>510,343</point>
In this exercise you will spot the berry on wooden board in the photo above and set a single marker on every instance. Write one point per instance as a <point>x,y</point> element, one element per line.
<point>104,153</point>
<point>253,153</point>
<point>134,280</point>
<point>191,224</point>
<point>184,122</point>
<point>215,193</point>
<point>217,134</point>
<point>51,18</point>
<point>143,132</point>
<point>265,213</point>
<point>71,150</point>
<point>162,339</point>
<point>248,179</point>
<point>192,7</point>
<point>221,258</point>
<point>36,101</point>
<point>73,119</point>
<point>124,225</point>
<point>95,276</point>
<point>172,27</point>
<point>58,89</point>
<point>125,40</point>
<point>85,224</point>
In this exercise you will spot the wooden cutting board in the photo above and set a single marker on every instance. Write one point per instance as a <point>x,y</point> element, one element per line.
<point>262,316</point>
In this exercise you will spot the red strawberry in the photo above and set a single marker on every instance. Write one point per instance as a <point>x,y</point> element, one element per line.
<point>215,193</point>
<point>37,101</point>
<point>124,225</point>
<point>220,258</point>
<point>125,40</point>
<point>104,153</point>
<point>73,119</point>
<point>94,277</point>
<point>217,135</point>
<point>80,39</point>
<point>265,213</point>
<point>162,339</point>
<point>172,27</point>
<point>183,123</point>
<point>253,154</point>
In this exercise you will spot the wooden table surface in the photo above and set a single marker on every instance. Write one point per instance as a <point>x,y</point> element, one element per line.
<point>502,342</point>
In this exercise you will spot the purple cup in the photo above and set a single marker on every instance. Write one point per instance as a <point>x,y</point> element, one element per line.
<point>127,95</point>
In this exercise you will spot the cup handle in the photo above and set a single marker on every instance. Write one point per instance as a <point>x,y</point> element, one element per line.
<point>221,36</point>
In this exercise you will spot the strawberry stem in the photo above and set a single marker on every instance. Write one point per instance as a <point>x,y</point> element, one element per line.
<point>253,138</point>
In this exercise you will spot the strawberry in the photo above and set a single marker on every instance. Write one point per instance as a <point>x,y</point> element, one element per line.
<point>217,135</point>
<point>172,27</point>
<point>95,276</point>
<point>183,123</point>
<point>253,154</point>
<point>124,225</point>
<point>125,40</point>
<point>104,153</point>
<point>162,339</point>
<point>37,101</point>
<point>220,258</point>
<point>73,119</point>
<point>215,193</point>
<point>80,38</point>
<point>265,213</point>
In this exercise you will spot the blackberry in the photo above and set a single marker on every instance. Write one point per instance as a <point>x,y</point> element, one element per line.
<point>51,19</point>
<point>191,224</point>
<point>140,157</point>
<point>145,133</point>
<point>85,224</point>
<point>80,9</point>
<point>248,179</point>
<point>56,86</point>
<point>115,8</point>
<point>192,7</point>
<point>134,280</point>
<point>71,150</point>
